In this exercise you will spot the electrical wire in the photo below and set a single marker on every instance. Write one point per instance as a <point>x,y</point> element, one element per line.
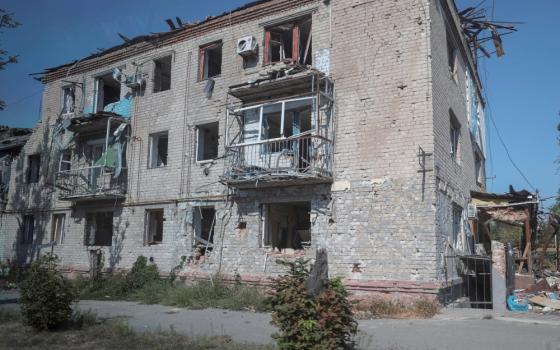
<point>506,148</point>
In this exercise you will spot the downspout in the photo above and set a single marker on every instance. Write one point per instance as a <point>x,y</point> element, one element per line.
<point>185,126</point>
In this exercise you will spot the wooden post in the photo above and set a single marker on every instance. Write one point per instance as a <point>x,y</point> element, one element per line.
<point>528,242</point>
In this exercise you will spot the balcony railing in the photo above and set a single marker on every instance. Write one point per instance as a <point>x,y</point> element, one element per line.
<point>95,182</point>
<point>302,158</point>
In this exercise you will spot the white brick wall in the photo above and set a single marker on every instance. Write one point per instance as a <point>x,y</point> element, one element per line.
<point>392,93</point>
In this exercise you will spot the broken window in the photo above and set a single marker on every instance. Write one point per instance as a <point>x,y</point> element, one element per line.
<point>454,134</point>
<point>27,229</point>
<point>154,226</point>
<point>286,225</point>
<point>57,229</point>
<point>107,91</point>
<point>289,41</point>
<point>279,120</point>
<point>33,168</point>
<point>99,228</point>
<point>210,60</point>
<point>452,57</point>
<point>457,223</point>
<point>158,150</point>
<point>68,98</point>
<point>65,161</point>
<point>162,74</point>
<point>204,222</point>
<point>478,169</point>
<point>207,141</point>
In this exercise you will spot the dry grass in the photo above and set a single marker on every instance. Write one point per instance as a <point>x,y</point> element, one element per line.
<point>383,308</point>
<point>106,335</point>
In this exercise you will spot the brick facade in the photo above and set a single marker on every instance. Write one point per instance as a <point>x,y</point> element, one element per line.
<point>383,220</point>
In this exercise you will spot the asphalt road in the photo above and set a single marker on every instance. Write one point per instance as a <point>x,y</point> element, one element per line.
<point>450,330</point>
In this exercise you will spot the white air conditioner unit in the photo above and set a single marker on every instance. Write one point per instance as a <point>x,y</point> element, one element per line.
<point>246,46</point>
<point>134,81</point>
<point>472,211</point>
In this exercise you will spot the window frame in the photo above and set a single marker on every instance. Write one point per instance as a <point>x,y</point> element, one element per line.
<point>452,56</point>
<point>152,150</point>
<point>155,62</point>
<point>27,231</point>
<point>203,73</point>
<point>455,137</point>
<point>283,115</point>
<point>296,31</point>
<point>264,214</point>
<point>199,128</point>
<point>29,176</point>
<point>89,241</point>
<point>148,224</point>
<point>197,226</point>
<point>456,223</point>
<point>57,238</point>
<point>63,100</point>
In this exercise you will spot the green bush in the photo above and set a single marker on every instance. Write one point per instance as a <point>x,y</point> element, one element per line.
<point>141,274</point>
<point>46,296</point>
<point>307,322</point>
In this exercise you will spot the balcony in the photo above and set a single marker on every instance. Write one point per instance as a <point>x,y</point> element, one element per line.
<point>302,159</point>
<point>279,132</point>
<point>91,183</point>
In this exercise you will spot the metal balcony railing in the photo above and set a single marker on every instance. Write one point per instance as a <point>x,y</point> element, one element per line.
<point>91,183</point>
<point>299,157</point>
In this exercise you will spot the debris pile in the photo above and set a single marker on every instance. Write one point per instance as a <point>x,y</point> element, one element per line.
<point>541,297</point>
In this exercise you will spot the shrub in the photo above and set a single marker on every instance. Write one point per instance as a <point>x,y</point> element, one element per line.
<point>306,322</point>
<point>46,296</point>
<point>141,274</point>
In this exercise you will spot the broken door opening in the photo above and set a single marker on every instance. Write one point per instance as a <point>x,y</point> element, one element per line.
<point>287,226</point>
<point>204,222</point>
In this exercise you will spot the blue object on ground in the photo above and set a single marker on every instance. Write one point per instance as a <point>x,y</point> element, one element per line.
<point>515,305</point>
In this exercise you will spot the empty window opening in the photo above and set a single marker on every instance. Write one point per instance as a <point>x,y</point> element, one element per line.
<point>158,150</point>
<point>204,223</point>
<point>33,168</point>
<point>68,99</point>
<point>154,226</point>
<point>287,226</point>
<point>456,224</point>
<point>454,134</point>
<point>107,91</point>
<point>57,229</point>
<point>207,141</point>
<point>99,228</point>
<point>210,60</point>
<point>289,41</point>
<point>65,161</point>
<point>452,57</point>
<point>162,74</point>
<point>28,229</point>
<point>478,169</point>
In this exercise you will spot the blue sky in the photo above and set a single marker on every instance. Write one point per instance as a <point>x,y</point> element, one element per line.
<point>522,87</point>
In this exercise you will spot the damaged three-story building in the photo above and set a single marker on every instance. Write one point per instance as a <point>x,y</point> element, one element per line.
<point>266,132</point>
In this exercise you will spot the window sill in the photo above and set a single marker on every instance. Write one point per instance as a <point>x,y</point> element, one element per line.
<point>158,167</point>
<point>291,253</point>
<point>150,244</point>
<point>206,161</point>
<point>206,79</point>
<point>160,91</point>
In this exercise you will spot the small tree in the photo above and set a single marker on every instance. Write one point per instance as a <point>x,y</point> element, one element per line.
<point>6,21</point>
<point>306,322</point>
<point>46,296</point>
